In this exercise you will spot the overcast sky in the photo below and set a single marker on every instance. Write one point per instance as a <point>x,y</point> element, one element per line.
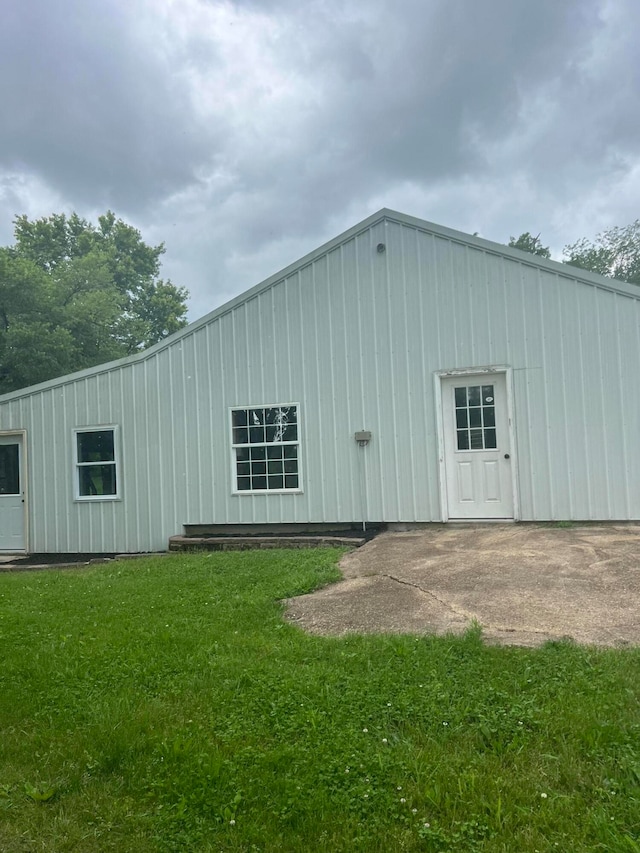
<point>244,134</point>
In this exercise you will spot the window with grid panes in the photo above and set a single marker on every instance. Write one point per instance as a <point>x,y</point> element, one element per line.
<point>475,417</point>
<point>265,445</point>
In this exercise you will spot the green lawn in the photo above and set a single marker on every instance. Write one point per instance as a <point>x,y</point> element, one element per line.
<point>163,704</point>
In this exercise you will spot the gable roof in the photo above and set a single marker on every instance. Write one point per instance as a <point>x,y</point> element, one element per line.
<point>385,214</point>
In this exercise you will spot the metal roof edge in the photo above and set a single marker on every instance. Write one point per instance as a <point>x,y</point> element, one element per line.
<point>174,338</point>
<point>272,280</point>
<point>556,267</point>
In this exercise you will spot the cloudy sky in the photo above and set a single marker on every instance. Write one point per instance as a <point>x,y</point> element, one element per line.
<point>244,134</point>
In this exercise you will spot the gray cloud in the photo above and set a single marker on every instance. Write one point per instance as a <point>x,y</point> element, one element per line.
<point>243,134</point>
<point>92,105</point>
<point>428,83</point>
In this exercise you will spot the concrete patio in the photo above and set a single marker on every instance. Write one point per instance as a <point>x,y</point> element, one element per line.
<point>524,584</point>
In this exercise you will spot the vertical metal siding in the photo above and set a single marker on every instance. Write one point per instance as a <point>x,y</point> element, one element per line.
<point>354,336</point>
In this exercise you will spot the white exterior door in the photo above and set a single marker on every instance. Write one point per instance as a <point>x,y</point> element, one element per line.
<point>12,536</point>
<point>476,444</point>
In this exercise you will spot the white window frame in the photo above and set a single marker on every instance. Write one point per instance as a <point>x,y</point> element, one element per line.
<point>77,465</point>
<point>234,447</point>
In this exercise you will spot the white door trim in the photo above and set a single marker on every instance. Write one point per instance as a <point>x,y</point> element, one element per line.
<point>438,378</point>
<point>24,482</point>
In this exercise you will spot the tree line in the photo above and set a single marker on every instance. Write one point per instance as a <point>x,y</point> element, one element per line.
<point>74,294</point>
<point>614,252</point>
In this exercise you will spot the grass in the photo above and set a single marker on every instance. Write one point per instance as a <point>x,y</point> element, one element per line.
<point>163,705</point>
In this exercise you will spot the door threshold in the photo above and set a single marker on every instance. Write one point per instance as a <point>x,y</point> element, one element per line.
<point>481,521</point>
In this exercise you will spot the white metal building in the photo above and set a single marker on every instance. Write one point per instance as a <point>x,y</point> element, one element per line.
<point>494,384</point>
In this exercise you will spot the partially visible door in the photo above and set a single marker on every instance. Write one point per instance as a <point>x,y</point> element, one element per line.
<point>12,536</point>
<point>477,450</point>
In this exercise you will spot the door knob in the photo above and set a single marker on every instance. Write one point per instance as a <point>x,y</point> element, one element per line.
<point>506,456</point>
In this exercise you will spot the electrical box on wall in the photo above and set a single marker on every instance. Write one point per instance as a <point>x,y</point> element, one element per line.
<point>363,437</point>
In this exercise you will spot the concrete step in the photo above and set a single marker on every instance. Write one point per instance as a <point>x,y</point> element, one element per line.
<point>248,542</point>
<point>297,528</point>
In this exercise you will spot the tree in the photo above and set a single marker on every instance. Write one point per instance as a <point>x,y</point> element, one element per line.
<point>528,243</point>
<point>151,308</point>
<point>73,295</point>
<point>614,253</point>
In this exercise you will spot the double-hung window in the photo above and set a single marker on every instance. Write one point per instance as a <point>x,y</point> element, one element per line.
<point>266,448</point>
<point>96,475</point>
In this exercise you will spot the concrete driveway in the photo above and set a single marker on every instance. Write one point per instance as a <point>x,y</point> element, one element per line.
<point>523,583</point>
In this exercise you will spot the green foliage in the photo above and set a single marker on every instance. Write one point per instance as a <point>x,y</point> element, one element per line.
<point>73,295</point>
<point>163,705</point>
<point>526,242</point>
<point>615,253</point>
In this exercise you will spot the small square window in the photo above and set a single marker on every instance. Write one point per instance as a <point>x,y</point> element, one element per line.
<point>96,464</point>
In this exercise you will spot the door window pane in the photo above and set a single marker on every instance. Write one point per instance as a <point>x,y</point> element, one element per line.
<point>463,439</point>
<point>487,394</point>
<point>490,439</point>
<point>476,439</point>
<point>474,395</point>
<point>9,469</point>
<point>475,417</point>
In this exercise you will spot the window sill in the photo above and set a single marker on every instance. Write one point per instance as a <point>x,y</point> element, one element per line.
<point>97,499</point>
<point>267,492</point>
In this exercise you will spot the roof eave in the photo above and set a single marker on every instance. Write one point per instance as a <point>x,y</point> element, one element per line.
<point>555,267</point>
